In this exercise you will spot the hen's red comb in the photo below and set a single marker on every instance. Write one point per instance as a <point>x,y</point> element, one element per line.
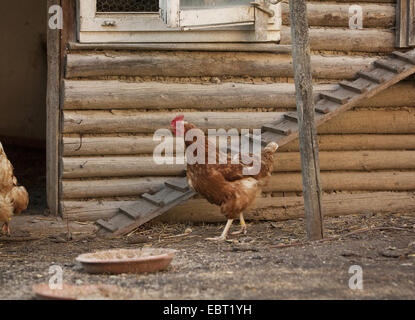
<point>178,118</point>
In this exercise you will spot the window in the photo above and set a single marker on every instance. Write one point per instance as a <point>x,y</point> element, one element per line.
<point>179,20</point>
<point>127,6</point>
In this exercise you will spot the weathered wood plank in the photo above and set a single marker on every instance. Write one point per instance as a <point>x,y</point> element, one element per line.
<point>337,39</point>
<point>81,95</point>
<point>116,167</point>
<point>359,121</point>
<point>185,64</point>
<point>347,181</point>
<point>76,189</point>
<point>134,145</point>
<point>209,47</point>
<point>163,197</point>
<point>337,15</point>
<point>145,166</point>
<point>276,208</point>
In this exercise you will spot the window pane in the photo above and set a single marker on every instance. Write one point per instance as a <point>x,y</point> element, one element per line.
<point>187,4</point>
<point>127,5</point>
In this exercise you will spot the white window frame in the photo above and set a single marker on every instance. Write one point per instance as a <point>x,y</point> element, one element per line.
<point>179,25</point>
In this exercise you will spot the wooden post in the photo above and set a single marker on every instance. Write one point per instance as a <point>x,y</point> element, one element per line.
<point>307,128</point>
<point>402,24</point>
<point>57,41</point>
<point>52,113</point>
<point>405,23</point>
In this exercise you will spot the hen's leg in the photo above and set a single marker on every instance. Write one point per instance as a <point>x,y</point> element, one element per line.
<point>224,233</point>
<point>243,225</point>
<point>6,229</point>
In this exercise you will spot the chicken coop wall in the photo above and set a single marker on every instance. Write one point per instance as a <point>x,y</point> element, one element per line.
<point>113,101</point>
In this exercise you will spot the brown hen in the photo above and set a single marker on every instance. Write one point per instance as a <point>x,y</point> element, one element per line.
<point>13,198</point>
<point>225,185</point>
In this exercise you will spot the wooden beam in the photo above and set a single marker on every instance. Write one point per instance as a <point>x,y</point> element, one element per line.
<point>341,39</point>
<point>270,208</point>
<point>286,162</point>
<point>75,145</point>
<point>53,114</point>
<point>111,166</point>
<point>323,14</point>
<point>116,166</point>
<point>411,23</point>
<point>401,34</point>
<point>346,181</point>
<point>121,121</point>
<point>209,47</point>
<point>75,189</point>
<point>307,127</point>
<point>92,94</point>
<point>189,64</point>
<point>120,95</point>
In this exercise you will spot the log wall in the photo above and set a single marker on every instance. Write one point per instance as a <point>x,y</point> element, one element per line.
<point>114,100</point>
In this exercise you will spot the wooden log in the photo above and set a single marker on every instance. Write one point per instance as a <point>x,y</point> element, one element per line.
<point>134,145</point>
<point>347,181</point>
<point>350,160</point>
<point>337,15</point>
<point>354,142</point>
<point>39,226</point>
<point>81,95</point>
<point>121,95</point>
<point>108,145</point>
<point>116,167</point>
<point>337,39</point>
<point>186,46</point>
<point>146,122</point>
<point>117,121</point>
<point>75,189</point>
<point>185,64</point>
<point>87,167</point>
<point>284,208</point>
<point>273,209</point>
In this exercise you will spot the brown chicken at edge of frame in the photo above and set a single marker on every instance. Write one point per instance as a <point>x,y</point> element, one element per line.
<point>226,185</point>
<point>13,198</point>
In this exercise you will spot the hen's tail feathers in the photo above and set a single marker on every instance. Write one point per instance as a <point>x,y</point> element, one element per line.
<point>272,146</point>
<point>20,199</point>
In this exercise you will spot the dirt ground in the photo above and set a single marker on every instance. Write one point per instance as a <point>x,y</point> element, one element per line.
<point>245,267</point>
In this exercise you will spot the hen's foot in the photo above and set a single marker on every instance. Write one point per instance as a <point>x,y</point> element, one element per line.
<point>243,225</point>
<point>5,230</point>
<point>242,231</point>
<point>224,233</point>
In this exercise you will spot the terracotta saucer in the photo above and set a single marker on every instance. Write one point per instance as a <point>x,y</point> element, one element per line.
<point>118,261</point>
<point>84,292</point>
